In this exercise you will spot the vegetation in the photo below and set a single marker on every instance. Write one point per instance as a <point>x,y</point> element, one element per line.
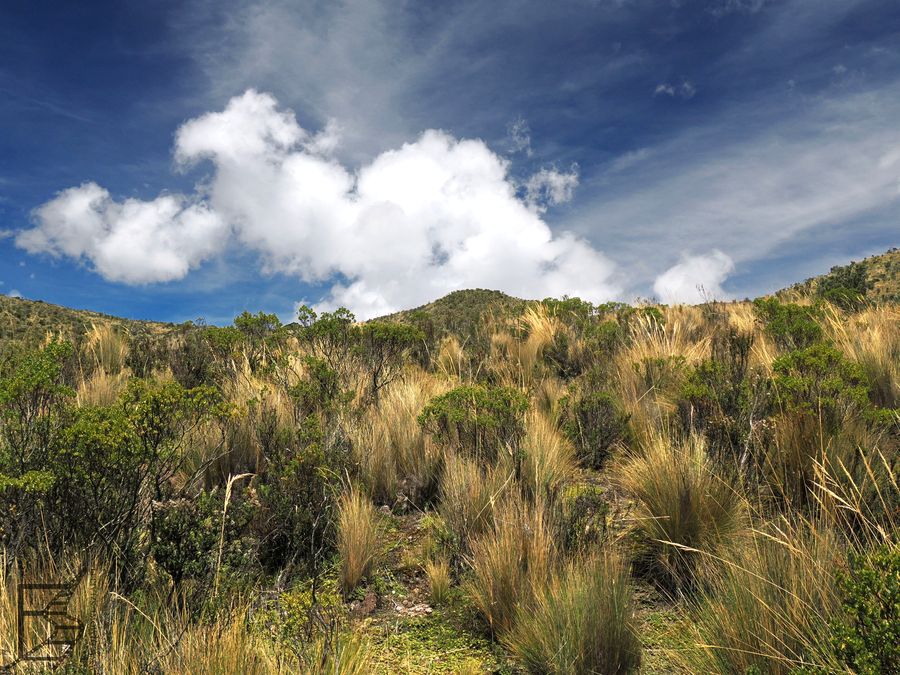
<point>481,485</point>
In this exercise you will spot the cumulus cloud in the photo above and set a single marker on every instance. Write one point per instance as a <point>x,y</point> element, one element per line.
<point>14,294</point>
<point>434,215</point>
<point>549,187</point>
<point>694,279</point>
<point>132,241</point>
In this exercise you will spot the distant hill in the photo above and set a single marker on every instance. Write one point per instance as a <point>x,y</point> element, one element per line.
<point>882,272</point>
<point>460,313</point>
<point>33,320</point>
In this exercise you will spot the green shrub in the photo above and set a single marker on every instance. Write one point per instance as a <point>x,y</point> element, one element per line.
<point>383,347</point>
<point>596,424</point>
<point>582,621</point>
<point>846,286</point>
<point>790,326</point>
<point>820,381</point>
<point>867,633</point>
<point>477,420</point>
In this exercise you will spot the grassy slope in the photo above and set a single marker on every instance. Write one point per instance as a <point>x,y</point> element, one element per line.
<point>32,321</point>
<point>883,272</point>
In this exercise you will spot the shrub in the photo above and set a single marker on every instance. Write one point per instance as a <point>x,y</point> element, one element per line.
<point>383,346</point>
<point>867,632</point>
<point>297,493</point>
<point>822,382</point>
<point>357,538</point>
<point>480,421</point>
<point>846,286</point>
<point>582,621</point>
<point>790,326</point>
<point>687,512</point>
<point>596,424</point>
<point>584,517</point>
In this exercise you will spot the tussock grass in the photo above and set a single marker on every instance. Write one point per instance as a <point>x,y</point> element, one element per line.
<point>469,495</point>
<point>511,562</point>
<point>107,348</point>
<point>439,581</point>
<point>548,458</point>
<point>396,457</point>
<point>357,538</point>
<point>767,609</point>
<point>582,621</point>
<point>683,506</point>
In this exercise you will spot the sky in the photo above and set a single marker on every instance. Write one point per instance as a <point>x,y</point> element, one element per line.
<point>173,160</point>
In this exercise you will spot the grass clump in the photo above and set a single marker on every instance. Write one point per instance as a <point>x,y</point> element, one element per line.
<point>686,510</point>
<point>582,621</point>
<point>438,573</point>
<point>358,538</point>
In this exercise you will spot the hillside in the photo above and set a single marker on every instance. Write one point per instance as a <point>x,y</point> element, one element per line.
<point>32,320</point>
<point>882,272</point>
<point>460,312</point>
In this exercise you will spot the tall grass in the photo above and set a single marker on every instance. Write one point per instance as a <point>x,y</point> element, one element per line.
<point>686,510</point>
<point>358,538</point>
<point>395,456</point>
<point>470,494</point>
<point>767,609</point>
<point>582,621</point>
<point>511,562</point>
<point>107,347</point>
<point>548,458</point>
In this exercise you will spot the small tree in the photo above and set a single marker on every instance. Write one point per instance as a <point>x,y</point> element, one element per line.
<point>331,336</point>
<point>383,346</point>
<point>262,332</point>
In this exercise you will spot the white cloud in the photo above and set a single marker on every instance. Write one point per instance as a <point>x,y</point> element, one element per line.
<point>6,234</point>
<point>694,279</point>
<point>664,88</point>
<point>434,215</point>
<point>519,136</point>
<point>549,187</point>
<point>132,241</point>
<point>685,90</point>
<point>14,294</point>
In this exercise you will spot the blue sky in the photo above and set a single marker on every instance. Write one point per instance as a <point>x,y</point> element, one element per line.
<point>171,160</point>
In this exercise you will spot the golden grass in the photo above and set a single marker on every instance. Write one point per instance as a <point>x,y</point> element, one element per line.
<point>358,538</point>
<point>395,456</point>
<point>582,621</point>
<point>107,347</point>
<point>439,581</point>
<point>683,506</point>
<point>767,608</point>
<point>548,460</point>
<point>101,388</point>
<point>470,494</point>
<point>511,562</point>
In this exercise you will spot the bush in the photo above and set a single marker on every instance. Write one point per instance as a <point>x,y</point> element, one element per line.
<point>583,621</point>
<point>822,382</point>
<point>790,326</point>
<point>357,538</point>
<point>687,512</point>
<point>477,420</point>
<point>596,424</point>
<point>867,633</point>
